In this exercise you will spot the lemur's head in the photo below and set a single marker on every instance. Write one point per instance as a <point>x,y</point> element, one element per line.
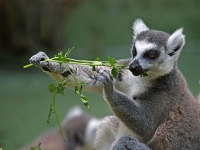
<point>154,52</point>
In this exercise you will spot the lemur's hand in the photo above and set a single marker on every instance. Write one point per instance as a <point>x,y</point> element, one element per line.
<point>106,78</point>
<point>82,73</point>
<point>54,67</point>
<point>38,59</point>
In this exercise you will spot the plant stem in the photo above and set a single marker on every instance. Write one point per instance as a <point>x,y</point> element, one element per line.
<point>74,61</point>
<point>86,61</point>
<point>27,66</point>
<point>54,109</point>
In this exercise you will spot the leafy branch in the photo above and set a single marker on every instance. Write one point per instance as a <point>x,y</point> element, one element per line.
<point>63,58</point>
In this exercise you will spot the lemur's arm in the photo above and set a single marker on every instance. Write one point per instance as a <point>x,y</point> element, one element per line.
<point>134,115</point>
<point>82,73</point>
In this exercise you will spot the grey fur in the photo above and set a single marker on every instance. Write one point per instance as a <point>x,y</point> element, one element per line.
<point>129,143</point>
<point>156,112</point>
<point>159,37</point>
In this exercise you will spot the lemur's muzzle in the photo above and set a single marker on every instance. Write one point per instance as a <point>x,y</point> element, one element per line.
<point>135,68</point>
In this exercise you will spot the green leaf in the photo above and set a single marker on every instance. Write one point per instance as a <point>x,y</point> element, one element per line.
<point>143,75</point>
<point>97,62</point>
<point>78,92</point>
<point>112,61</point>
<point>84,97</point>
<point>114,72</point>
<point>76,89</point>
<point>36,147</point>
<point>97,59</point>
<point>61,57</point>
<point>81,86</point>
<point>60,90</point>
<point>61,87</point>
<point>52,88</point>
<point>85,102</point>
<point>68,52</point>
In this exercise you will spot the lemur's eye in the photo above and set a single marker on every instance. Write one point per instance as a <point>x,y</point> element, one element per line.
<point>151,54</point>
<point>134,52</point>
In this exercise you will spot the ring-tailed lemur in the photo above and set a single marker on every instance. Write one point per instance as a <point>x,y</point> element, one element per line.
<point>79,129</point>
<point>155,112</point>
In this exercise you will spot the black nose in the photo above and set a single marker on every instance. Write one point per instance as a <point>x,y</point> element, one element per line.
<point>135,68</point>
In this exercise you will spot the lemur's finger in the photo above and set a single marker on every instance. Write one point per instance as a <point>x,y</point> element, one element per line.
<point>104,76</point>
<point>101,79</point>
<point>67,72</point>
<point>108,74</point>
<point>99,70</point>
<point>44,65</point>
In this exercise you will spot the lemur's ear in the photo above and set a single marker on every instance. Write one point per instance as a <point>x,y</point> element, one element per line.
<point>175,42</point>
<point>72,113</point>
<point>138,27</point>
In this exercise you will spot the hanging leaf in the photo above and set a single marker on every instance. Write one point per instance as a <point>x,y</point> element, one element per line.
<point>68,52</point>
<point>85,101</point>
<point>60,90</point>
<point>52,88</point>
<point>81,86</point>
<point>114,72</point>
<point>111,60</point>
<point>97,59</point>
<point>143,75</point>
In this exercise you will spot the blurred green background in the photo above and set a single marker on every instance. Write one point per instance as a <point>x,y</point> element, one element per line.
<point>95,28</point>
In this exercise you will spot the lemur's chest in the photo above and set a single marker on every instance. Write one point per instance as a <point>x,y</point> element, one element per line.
<point>132,85</point>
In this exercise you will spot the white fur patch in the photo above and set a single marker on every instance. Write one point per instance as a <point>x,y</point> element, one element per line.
<point>106,133</point>
<point>142,46</point>
<point>138,27</point>
<point>132,85</point>
<point>92,126</point>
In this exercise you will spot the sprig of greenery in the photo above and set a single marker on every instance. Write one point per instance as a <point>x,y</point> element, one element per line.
<point>78,89</point>
<point>111,62</point>
<point>144,75</point>
<point>36,147</point>
<point>56,89</point>
<point>63,58</point>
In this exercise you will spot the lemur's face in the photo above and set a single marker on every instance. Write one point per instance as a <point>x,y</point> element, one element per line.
<point>148,51</point>
<point>154,52</point>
